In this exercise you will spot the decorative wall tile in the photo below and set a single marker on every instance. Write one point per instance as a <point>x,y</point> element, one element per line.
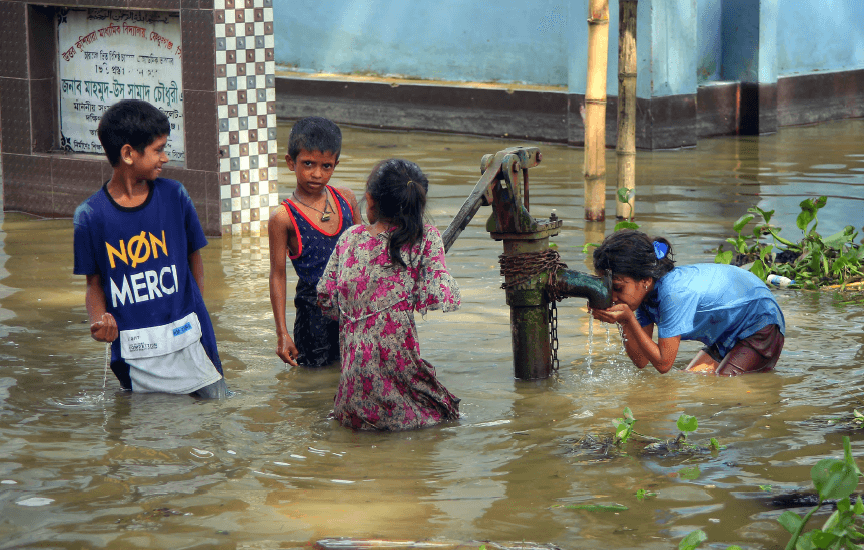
<point>244,90</point>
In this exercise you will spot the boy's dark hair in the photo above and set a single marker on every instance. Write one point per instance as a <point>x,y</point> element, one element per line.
<point>633,254</point>
<point>314,133</point>
<point>131,121</point>
<point>399,188</point>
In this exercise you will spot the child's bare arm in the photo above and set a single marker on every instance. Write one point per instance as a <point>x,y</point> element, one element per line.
<point>639,344</point>
<point>277,230</point>
<point>352,200</point>
<point>103,326</point>
<point>196,265</point>
<point>643,350</point>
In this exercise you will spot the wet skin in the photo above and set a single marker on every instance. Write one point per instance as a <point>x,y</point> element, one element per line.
<point>313,170</point>
<point>627,295</point>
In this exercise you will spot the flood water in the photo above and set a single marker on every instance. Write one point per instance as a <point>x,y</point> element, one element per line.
<point>267,469</point>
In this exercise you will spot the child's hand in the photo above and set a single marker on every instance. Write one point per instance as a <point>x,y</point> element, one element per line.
<point>286,350</point>
<point>104,330</point>
<point>618,313</point>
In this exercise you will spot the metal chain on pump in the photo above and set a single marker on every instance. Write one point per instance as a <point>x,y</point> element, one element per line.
<point>520,268</point>
<point>553,334</point>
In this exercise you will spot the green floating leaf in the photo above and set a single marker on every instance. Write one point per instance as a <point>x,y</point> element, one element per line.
<point>859,507</point>
<point>766,214</point>
<point>741,222</point>
<point>790,521</point>
<point>821,539</point>
<point>687,423</point>
<point>834,479</point>
<point>759,270</point>
<point>724,257</point>
<point>837,240</point>
<point>625,225</point>
<point>693,540</point>
<point>690,473</point>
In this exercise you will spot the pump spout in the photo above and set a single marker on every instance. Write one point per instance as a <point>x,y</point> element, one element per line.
<point>598,290</point>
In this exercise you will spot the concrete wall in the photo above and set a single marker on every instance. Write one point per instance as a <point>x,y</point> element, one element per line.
<point>705,67</point>
<point>505,40</point>
<point>502,41</point>
<point>791,37</point>
<point>545,42</point>
<point>819,35</point>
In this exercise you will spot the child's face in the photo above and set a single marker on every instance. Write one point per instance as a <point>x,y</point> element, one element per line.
<point>313,169</point>
<point>627,290</point>
<point>148,164</point>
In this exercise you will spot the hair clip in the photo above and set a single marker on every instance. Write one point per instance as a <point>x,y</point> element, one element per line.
<point>409,182</point>
<point>660,249</point>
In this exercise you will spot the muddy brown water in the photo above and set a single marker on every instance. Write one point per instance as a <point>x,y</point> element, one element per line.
<point>267,468</point>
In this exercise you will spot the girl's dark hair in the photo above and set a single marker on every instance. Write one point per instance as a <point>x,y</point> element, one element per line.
<point>634,254</point>
<point>398,188</point>
<point>133,122</point>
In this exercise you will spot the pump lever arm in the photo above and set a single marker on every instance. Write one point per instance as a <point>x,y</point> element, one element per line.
<point>473,202</point>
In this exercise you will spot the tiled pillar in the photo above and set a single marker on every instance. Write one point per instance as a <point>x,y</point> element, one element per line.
<point>246,100</point>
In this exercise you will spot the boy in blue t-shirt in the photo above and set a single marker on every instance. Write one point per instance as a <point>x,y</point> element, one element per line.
<point>137,241</point>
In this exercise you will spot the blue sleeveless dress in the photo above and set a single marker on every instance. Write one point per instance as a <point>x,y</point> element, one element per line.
<point>316,336</point>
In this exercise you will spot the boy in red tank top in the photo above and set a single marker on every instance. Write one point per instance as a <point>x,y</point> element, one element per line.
<point>305,228</point>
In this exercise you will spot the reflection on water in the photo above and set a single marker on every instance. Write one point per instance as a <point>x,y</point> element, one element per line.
<point>267,469</point>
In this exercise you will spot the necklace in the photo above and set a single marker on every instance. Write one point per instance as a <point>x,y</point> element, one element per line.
<point>325,214</point>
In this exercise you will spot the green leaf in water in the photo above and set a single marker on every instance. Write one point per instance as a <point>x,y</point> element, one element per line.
<point>641,494</point>
<point>690,473</point>
<point>693,540</point>
<point>834,479</point>
<point>742,221</point>
<point>625,225</point>
<point>687,423</point>
<point>724,257</point>
<point>790,521</point>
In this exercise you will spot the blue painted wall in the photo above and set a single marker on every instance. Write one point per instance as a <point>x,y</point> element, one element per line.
<point>500,41</point>
<point>819,35</point>
<point>681,43</point>
<point>709,40</point>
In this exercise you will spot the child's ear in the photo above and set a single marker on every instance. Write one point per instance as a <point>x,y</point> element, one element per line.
<point>126,154</point>
<point>290,162</point>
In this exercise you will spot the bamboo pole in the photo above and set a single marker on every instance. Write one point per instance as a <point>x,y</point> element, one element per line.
<point>595,111</point>
<point>626,143</point>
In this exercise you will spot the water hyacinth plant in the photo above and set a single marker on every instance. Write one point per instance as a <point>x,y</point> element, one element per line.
<point>812,262</point>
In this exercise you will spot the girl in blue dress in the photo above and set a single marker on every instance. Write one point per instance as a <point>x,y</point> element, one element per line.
<point>728,309</point>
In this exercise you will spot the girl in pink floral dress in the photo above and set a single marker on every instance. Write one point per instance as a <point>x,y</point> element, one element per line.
<point>378,276</point>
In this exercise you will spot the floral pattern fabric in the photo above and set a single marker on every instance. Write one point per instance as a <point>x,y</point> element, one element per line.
<point>385,384</point>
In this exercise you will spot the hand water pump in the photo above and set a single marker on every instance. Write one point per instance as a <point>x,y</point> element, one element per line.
<point>534,276</point>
